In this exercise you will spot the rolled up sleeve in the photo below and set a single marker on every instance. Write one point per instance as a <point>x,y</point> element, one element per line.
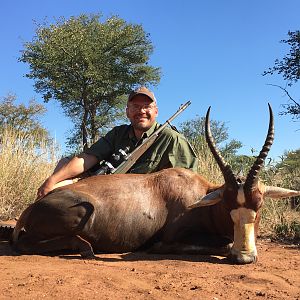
<point>104,147</point>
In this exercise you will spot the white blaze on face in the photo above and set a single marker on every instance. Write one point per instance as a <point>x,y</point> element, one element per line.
<point>241,196</point>
<point>244,235</point>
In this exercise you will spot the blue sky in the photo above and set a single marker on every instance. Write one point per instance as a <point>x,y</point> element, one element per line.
<point>210,52</point>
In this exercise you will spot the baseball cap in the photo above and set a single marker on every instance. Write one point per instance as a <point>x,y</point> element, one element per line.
<point>144,91</point>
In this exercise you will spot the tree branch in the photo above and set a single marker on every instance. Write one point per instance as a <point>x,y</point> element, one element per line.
<point>287,93</point>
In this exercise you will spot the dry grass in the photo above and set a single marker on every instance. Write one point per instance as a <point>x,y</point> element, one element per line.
<point>279,219</point>
<point>23,167</point>
<point>207,164</point>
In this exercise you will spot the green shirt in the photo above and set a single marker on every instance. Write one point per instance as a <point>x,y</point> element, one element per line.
<point>170,149</point>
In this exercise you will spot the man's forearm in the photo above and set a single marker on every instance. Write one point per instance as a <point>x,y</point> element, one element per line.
<point>74,167</point>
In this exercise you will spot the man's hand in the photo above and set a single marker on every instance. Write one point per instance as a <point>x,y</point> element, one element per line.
<point>66,169</point>
<point>45,188</point>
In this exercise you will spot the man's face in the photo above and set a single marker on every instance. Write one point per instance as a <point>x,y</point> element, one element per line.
<point>142,112</point>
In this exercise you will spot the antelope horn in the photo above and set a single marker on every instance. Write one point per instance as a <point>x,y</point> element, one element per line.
<point>228,175</point>
<point>252,176</point>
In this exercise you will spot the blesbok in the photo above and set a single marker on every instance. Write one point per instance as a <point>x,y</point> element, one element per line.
<point>172,210</point>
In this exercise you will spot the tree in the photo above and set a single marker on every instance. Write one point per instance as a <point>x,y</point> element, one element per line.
<point>289,172</point>
<point>88,66</point>
<point>194,131</point>
<point>291,108</point>
<point>289,68</point>
<point>22,119</point>
<point>290,161</point>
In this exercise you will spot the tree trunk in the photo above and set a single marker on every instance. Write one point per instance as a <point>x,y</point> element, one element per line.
<point>85,122</point>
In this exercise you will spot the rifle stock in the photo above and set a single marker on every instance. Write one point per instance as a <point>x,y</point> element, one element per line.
<point>138,152</point>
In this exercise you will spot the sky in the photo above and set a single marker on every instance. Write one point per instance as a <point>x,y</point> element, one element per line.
<point>212,53</point>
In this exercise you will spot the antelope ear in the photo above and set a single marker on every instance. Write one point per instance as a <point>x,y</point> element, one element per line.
<point>278,192</point>
<point>209,199</point>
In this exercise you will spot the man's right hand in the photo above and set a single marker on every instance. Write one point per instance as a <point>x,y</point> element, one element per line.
<point>45,188</point>
<point>66,170</point>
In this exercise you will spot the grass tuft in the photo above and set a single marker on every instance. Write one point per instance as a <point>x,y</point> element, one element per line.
<point>24,165</point>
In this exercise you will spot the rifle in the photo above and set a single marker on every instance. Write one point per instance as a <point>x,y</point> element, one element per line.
<point>132,157</point>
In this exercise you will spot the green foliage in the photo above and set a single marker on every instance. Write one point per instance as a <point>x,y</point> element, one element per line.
<point>289,170</point>
<point>25,120</point>
<point>88,66</point>
<point>292,107</point>
<point>289,66</point>
<point>194,131</point>
<point>241,164</point>
<point>290,161</point>
<point>289,230</point>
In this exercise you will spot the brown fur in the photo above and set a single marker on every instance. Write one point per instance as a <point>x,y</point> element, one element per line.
<point>111,212</point>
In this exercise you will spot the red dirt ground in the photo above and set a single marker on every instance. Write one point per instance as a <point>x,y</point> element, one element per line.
<point>276,275</point>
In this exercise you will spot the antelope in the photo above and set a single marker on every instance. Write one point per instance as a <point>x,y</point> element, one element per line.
<point>171,211</point>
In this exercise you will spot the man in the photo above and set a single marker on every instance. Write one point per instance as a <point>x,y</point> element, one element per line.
<point>170,149</point>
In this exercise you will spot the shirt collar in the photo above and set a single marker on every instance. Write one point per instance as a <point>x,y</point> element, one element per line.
<point>146,133</point>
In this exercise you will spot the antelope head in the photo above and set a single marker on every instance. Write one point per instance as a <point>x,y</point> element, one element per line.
<point>244,198</point>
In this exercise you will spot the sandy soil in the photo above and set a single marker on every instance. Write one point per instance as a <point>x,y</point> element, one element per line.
<point>276,275</point>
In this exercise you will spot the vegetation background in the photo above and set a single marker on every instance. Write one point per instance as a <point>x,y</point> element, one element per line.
<point>94,98</point>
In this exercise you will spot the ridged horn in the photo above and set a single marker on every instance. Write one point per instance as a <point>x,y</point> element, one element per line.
<point>228,175</point>
<point>252,176</point>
